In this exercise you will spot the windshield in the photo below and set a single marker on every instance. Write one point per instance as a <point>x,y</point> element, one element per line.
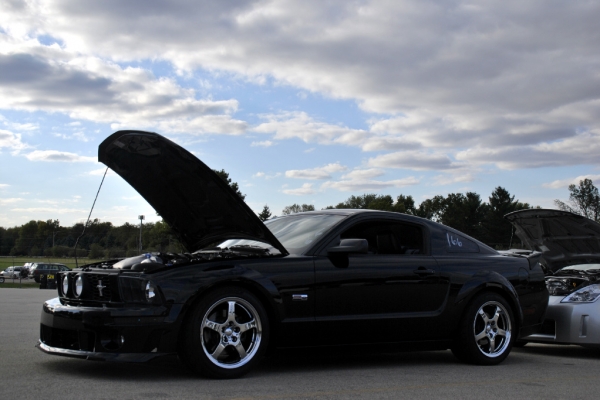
<point>295,232</point>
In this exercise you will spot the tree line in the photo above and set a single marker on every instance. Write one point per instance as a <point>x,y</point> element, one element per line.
<point>466,212</point>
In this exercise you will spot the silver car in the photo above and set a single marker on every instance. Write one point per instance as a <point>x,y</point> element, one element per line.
<point>10,273</point>
<point>570,247</point>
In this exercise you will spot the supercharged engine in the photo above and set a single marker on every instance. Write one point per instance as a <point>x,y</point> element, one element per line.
<point>157,260</point>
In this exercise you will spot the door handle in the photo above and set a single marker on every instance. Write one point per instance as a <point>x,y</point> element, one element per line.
<point>422,271</point>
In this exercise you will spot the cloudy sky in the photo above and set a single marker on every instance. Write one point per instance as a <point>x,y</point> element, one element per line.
<point>301,102</point>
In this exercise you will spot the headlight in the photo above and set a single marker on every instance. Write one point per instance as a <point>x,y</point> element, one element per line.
<point>65,285</point>
<point>135,290</point>
<point>588,294</point>
<point>78,285</point>
<point>150,291</point>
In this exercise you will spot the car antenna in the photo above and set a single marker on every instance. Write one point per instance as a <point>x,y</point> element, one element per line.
<point>88,219</point>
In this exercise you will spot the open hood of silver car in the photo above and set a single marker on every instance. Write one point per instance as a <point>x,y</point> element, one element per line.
<point>563,238</point>
<point>198,205</point>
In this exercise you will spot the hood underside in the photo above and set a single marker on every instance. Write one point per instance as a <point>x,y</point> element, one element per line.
<point>196,203</point>
<point>563,238</point>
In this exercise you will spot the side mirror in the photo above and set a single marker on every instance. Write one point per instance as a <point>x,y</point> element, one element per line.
<point>347,246</point>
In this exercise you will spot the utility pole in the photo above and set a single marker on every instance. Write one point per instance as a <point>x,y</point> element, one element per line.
<point>141,217</point>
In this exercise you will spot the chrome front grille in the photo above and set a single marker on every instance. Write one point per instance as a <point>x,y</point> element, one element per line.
<point>102,288</point>
<point>100,285</point>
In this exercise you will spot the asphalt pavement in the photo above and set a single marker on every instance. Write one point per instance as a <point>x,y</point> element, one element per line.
<point>532,372</point>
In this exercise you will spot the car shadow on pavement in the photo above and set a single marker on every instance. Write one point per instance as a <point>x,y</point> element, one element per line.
<point>169,368</point>
<point>553,350</point>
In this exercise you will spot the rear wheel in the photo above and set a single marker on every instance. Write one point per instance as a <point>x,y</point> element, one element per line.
<point>226,335</point>
<point>486,331</point>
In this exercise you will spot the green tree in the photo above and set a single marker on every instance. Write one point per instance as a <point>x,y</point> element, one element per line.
<point>583,200</point>
<point>296,208</point>
<point>357,202</point>
<point>497,231</point>
<point>428,209</point>
<point>96,251</point>
<point>265,214</point>
<point>26,239</point>
<point>233,185</point>
<point>371,201</point>
<point>464,212</point>
<point>405,205</point>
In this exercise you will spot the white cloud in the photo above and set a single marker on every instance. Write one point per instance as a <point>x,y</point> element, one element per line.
<point>10,200</point>
<point>461,176</point>
<point>4,185</point>
<point>266,143</point>
<point>415,160</point>
<point>49,210</point>
<point>366,185</point>
<point>16,126</point>
<point>580,149</point>
<point>315,173</point>
<point>266,176</point>
<point>362,174</point>
<point>52,79</point>
<point>306,189</point>
<point>11,141</point>
<point>80,136</point>
<point>300,125</point>
<point>54,155</point>
<point>564,183</point>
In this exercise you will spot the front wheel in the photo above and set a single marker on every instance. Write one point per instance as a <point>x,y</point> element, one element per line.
<point>1,279</point>
<point>485,334</point>
<point>227,334</point>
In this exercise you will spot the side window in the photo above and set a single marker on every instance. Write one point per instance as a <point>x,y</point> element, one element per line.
<point>460,244</point>
<point>387,237</point>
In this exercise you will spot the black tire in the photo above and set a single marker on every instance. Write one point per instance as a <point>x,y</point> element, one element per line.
<point>1,279</point>
<point>485,335</point>
<point>226,334</point>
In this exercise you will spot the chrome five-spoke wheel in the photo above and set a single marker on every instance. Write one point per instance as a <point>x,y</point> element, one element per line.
<point>492,329</point>
<point>231,332</point>
<point>485,331</point>
<point>226,333</point>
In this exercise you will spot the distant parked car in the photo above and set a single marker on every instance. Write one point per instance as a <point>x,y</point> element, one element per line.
<point>38,269</point>
<point>12,272</point>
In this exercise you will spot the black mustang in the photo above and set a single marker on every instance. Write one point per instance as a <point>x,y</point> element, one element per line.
<point>331,277</point>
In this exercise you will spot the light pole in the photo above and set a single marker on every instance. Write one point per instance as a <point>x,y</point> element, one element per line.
<point>141,217</point>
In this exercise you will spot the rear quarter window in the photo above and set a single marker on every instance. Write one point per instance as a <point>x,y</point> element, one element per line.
<point>459,244</point>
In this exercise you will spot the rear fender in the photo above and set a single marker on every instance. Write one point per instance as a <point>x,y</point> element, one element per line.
<point>486,280</point>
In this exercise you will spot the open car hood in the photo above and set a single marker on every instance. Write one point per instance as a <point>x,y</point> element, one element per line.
<point>196,203</point>
<point>563,238</point>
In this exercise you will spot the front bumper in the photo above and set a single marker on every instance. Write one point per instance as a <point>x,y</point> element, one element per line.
<point>128,334</point>
<point>569,323</point>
